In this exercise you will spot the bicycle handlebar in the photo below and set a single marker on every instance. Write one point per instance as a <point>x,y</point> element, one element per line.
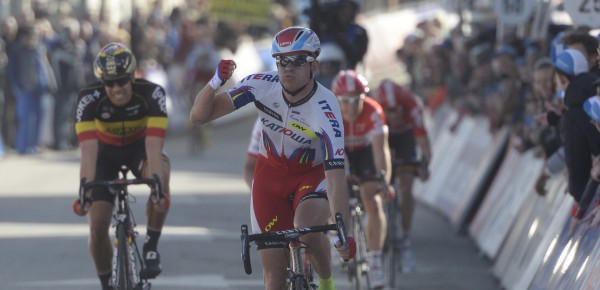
<point>287,235</point>
<point>84,186</point>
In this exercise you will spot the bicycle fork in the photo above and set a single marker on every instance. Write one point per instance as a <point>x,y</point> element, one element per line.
<point>300,268</point>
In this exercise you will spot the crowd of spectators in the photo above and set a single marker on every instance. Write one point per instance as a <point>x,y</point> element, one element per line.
<point>534,87</point>
<point>46,56</point>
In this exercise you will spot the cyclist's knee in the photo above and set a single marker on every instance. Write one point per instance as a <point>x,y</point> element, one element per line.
<point>310,212</point>
<point>98,230</point>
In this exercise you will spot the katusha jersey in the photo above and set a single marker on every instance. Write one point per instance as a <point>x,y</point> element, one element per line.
<point>144,115</point>
<point>369,123</point>
<point>295,136</point>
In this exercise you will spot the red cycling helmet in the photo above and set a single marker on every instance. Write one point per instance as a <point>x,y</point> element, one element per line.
<point>349,82</point>
<point>389,92</point>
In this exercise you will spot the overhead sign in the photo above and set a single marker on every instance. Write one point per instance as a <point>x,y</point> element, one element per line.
<point>456,5</point>
<point>514,11</point>
<point>584,12</point>
<point>255,12</point>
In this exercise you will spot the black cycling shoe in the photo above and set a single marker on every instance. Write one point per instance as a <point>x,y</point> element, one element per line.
<point>153,268</point>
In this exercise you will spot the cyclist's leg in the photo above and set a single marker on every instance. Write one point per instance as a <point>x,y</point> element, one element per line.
<point>100,215</point>
<point>157,215</point>
<point>272,210</point>
<point>407,207</point>
<point>311,212</point>
<point>373,203</point>
<point>274,262</point>
<point>406,202</point>
<point>99,218</point>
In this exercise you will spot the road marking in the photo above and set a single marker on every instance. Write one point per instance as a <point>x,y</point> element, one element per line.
<point>42,230</point>
<point>209,281</point>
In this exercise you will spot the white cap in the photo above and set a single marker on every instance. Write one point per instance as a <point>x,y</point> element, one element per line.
<point>571,62</point>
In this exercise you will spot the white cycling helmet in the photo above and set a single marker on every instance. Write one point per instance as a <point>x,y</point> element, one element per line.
<point>296,39</point>
<point>332,52</point>
<point>592,108</point>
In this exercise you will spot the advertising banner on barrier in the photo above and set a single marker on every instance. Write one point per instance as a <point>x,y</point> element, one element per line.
<point>505,199</point>
<point>443,164</point>
<point>533,230</point>
<point>569,260</point>
<point>464,170</point>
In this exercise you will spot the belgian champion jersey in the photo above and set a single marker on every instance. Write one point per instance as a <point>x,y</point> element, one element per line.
<point>144,115</point>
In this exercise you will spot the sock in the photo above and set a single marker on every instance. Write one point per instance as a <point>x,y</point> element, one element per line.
<point>151,242</point>
<point>375,253</point>
<point>104,279</point>
<point>326,284</point>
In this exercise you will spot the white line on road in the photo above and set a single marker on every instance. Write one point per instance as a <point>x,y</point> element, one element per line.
<point>209,281</point>
<point>41,230</point>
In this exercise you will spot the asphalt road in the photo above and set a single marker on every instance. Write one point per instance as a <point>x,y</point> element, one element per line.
<point>44,245</point>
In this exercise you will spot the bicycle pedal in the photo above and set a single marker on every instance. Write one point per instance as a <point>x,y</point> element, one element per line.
<point>143,286</point>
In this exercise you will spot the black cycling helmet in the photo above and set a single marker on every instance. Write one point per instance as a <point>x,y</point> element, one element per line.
<point>114,60</point>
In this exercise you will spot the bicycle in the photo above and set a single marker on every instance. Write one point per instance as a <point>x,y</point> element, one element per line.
<point>357,268</point>
<point>127,261</point>
<point>391,247</point>
<point>299,269</point>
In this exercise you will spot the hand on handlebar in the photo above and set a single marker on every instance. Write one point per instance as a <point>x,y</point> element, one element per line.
<point>348,250</point>
<point>423,171</point>
<point>80,210</point>
<point>160,201</point>
<point>82,204</point>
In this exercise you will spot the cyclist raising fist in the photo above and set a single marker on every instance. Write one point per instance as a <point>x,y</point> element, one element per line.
<point>299,178</point>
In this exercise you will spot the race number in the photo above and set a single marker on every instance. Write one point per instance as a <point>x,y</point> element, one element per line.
<point>584,12</point>
<point>514,11</point>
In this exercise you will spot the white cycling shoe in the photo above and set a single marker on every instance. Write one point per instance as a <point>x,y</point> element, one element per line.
<point>376,273</point>
<point>407,258</point>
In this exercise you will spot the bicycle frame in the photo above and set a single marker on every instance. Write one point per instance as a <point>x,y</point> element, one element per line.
<point>126,256</point>
<point>358,268</point>
<point>298,273</point>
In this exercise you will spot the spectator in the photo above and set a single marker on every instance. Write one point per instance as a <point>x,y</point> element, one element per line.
<point>8,128</point>
<point>331,60</point>
<point>344,31</point>
<point>67,61</point>
<point>30,76</point>
<point>506,105</point>
<point>578,135</point>
<point>586,44</point>
<point>3,63</point>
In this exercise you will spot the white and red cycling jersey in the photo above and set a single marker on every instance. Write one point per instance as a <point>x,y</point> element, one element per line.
<point>255,138</point>
<point>371,122</point>
<point>298,142</point>
<point>305,134</point>
<point>402,110</point>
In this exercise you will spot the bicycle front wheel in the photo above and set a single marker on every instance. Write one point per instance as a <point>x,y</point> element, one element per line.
<point>361,262</point>
<point>120,271</point>
<point>390,248</point>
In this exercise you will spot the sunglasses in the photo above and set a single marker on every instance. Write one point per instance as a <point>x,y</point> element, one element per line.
<point>120,81</point>
<point>351,99</point>
<point>296,61</point>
